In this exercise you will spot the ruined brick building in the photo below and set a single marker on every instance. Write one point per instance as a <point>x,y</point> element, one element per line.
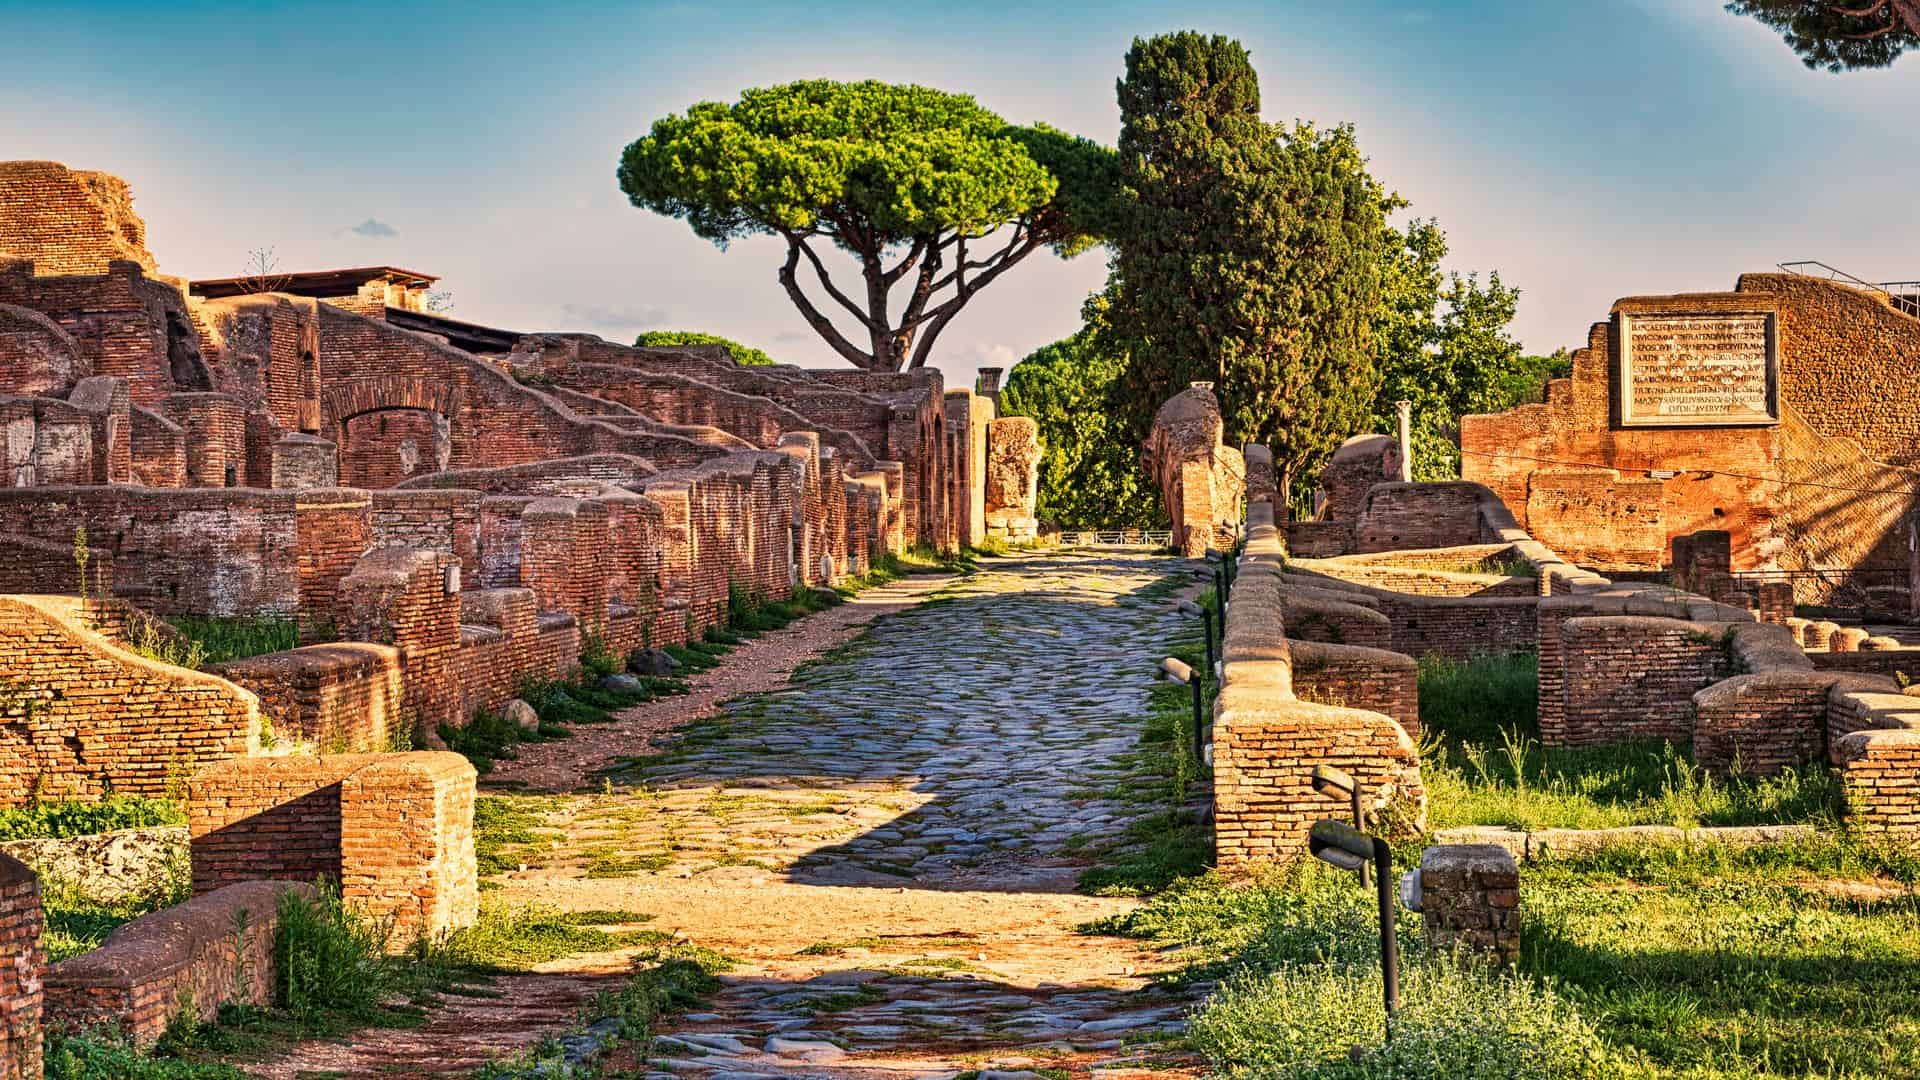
<point>1785,413</point>
<point>446,508</point>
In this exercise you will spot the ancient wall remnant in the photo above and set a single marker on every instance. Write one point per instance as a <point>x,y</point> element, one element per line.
<point>214,950</point>
<point>1202,483</point>
<point>1470,899</point>
<point>1012,488</point>
<point>394,830</point>
<point>22,962</point>
<point>68,221</point>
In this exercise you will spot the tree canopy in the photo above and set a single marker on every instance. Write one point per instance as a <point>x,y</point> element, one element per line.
<point>1840,35</point>
<point>933,195</point>
<point>1090,475</point>
<point>1246,254</point>
<point>742,354</point>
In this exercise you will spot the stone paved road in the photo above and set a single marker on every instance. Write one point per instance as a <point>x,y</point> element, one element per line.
<point>889,843</point>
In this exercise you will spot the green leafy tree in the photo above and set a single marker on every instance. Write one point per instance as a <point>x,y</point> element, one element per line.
<point>742,354</point>
<point>1840,36</point>
<point>932,195</point>
<point>1090,475</point>
<point>1247,254</point>
<point>1445,347</point>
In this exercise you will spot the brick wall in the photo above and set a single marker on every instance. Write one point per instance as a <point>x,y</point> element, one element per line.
<point>1628,677</point>
<point>81,713</point>
<point>1418,515</point>
<point>21,964</point>
<point>1470,900</point>
<point>395,830</point>
<point>1376,680</point>
<point>338,698</point>
<point>1880,773</point>
<point>1360,463</point>
<point>410,599</point>
<point>68,221</point>
<point>28,565</point>
<point>1762,723</point>
<point>214,949</point>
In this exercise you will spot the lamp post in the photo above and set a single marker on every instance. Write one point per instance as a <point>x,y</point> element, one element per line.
<point>1339,844</point>
<point>1337,784</point>
<point>1174,671</point>
<point>1188,607</point>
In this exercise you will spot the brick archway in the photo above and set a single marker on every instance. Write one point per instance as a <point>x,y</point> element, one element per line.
<point>344,401</point>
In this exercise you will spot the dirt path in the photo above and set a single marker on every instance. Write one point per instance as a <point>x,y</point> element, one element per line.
<point>885,843</point>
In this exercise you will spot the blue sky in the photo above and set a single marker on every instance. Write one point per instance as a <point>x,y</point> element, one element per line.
<point>1586,149</point>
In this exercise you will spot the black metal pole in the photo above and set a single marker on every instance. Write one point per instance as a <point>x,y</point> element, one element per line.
<point>1199,708</point>
<point>1389,940</point>
<point>1359,824</point>
<point>1206,620</point>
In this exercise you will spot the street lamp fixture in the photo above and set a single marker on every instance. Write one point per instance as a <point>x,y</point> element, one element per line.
<point>1338,784</point>
<point>1338,844</point>
<point>1174,670</point>
<point>1188,607</point>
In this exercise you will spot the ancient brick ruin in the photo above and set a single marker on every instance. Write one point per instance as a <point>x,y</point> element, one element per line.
<point>1202,483</point>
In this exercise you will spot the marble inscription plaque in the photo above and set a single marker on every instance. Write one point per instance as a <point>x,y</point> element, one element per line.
<point>1703,369</point>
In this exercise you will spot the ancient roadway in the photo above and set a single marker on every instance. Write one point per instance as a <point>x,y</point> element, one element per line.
<point>887,843</point>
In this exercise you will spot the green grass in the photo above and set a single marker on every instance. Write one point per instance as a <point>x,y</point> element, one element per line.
<point>488,736</point>
<point>77,923</point>
<point>506,828</point>
<point>222,638</point>
<point>1483,765</point>
<point>510,938</point>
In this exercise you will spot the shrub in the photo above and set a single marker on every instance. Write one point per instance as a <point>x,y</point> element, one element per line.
<point>1457,1019</point>
<point>328,960</point>
<point>60,820</point>
<point>109,1055</point>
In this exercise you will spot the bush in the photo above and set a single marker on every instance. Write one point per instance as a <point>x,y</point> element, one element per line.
<point>69,818</point>
<point>328,960</point>
<point>220,639</point>
<point>108,1055</point>
<point>1457,1019</point>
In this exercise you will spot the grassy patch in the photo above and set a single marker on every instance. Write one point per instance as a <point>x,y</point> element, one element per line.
<point>77,923</point>
<point>516,938</point>
<point>508,829</point>
<point>224,638</point>
<point>1483,765</point>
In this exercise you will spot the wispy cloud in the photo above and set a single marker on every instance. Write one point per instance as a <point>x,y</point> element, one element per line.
<point>374,230</point>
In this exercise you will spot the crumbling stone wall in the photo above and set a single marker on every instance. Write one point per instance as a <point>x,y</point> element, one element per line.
<point>338,698</point>
<point>1353,470</point>
<point>80,715</point>
<point>21,964</point>
<point>1470,900</point>
<point>1201,482</point>
<point>69,221</point>
<point>1012,488</point>
<point>394,830</point>
<point>215,949</point>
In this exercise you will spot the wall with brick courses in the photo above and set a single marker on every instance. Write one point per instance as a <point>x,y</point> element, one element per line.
<point>1418,515</point>
<point>395,830</point>
<point>1631,677</point>
<point>124,323</point>
<point>37,357</point>
<point>214,949</point>
<point>1355,677</point>
<point>1266,741</point>
<point>159,451</point>
<point>1360,463</point>
<point>344,697</point>
<point>28,565</point>
<point>1470,900</point>
<point>1762,723</point>
<point>215,428</point>
<point>68,221</point>
<point>409,599</point>
<point>85,714</point>
<point>21,964</point>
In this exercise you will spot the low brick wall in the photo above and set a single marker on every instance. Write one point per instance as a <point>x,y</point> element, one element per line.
<point>21,963</point>
<point>1634,677</point>
<point>1356,677</point>
<point>1499,622</point>
<point>1760,724</point>
<point>1335,622</point>
<point>215,949</point>
<point>1318,539</point>
<point>1266,741</point>
<point>93,715</point>
<point>339,698</point>
<point>1880,772</point>
<point>1888,662</point>
<point>395,830</point>
<point>1470,899</point>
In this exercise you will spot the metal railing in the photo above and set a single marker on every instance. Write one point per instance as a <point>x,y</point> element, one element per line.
<point>1903,295</point>
<point>1157,538</point>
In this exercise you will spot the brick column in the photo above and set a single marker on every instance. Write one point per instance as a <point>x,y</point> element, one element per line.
<point>409,598</point>
<point>1470,898</point>
<point>21,967</point>
<point>406,844</point>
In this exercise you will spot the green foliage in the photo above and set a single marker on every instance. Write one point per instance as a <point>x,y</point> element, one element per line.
<point>883,172</point>
<point>77,923</point>
<point>515,938</point>
<point>1484,765</point>
<point>68,818</point>
<point>222,638</point>
<point>328,961</point>
<point>105,1054</point>
<point>1248,255</point>
<point>1444,346</point>
<point>1090,475</point>
<point>1840,36</point>
<point>745,355</point>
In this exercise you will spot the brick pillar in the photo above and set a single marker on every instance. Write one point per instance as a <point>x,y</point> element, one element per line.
<point>1470,898</point>
<point>563,553</point>
<point>406,844</point>
<point>410,599</point>
<point>22,964</point>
